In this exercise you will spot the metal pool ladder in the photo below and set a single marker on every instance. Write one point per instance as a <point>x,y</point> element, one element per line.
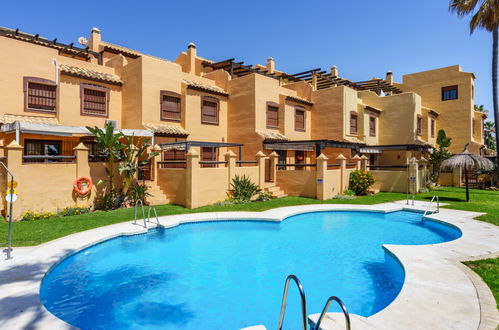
<point>429,206</point>
<point>141,204</point>
<point>324,311</point>
<point>303,302</point>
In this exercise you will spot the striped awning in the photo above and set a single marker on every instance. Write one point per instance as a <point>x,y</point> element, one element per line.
<point>288,146</point>
<point>368,150</point>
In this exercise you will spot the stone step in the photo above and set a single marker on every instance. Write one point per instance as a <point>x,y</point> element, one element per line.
<point>272,189</point>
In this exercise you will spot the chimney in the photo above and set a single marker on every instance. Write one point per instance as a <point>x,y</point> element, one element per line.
<point>389,77</point>
<point>95,40</point>
<point>191,58</point>
<point>270,65</point>
<point>334,71</point>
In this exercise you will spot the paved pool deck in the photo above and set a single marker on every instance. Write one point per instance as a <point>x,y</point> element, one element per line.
<point>438,293</point>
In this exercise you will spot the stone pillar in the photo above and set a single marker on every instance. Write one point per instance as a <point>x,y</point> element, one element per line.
<point>14,153</point>
<point>413,176</point>
<point>230,158</point>
<point>364,161</point>
<point>192,177</point>
<point>260,158</point>
<point>314,81</point>
<point>154,162</point>
<point>358,162</point>
<point>274,157</point>
<point>82,165</point>
<point>343,170</point>
<point>322,192</point>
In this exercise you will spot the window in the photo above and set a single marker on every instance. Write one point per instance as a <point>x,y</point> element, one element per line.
<point>432,128</point>
<point>209,154</point>
<point>272,115</point>
<point>170,106</point>
<point>353,123</point>
<point>40,95</point>
<point>41,148</point>
<point>299,119</point>
<point>449,93</point>
<point>473,124</point>
<point>209,110</point>
<point>419,126</point>
<point>372,126</point>
<point>94,100</point>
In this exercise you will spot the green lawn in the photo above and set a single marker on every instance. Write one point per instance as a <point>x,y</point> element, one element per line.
<point>37,232</point>
<point>488,270</point>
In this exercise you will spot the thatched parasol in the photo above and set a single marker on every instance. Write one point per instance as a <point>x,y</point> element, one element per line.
<point>467,161</point>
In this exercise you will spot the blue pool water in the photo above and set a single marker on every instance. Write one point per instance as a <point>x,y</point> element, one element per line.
<point>229,275</point>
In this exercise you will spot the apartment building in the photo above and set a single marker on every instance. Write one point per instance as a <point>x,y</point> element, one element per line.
<point>50,91</point>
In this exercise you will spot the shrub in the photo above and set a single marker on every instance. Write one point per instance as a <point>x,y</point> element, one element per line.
<point>73,210</point>
<point>109,201</point>
<point>343,196</point>
<point>265,196</point>
<point>360,181</point>
<point>33,216</point>
<point>242,188</point>
<point>138,191</point>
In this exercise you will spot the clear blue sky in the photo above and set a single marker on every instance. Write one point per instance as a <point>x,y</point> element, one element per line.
<point>364,38</point>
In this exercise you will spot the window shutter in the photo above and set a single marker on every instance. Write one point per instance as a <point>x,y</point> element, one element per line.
<point>272,117</point>
<point>299,120</point>
<point>41,97</point>
<point>209,112</point>
<point>419,126</point>
<point>170,108</point>
<point>372,126</point>
<point>353,123</point>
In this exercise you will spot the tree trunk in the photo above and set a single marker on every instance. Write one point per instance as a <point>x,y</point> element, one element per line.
<point>494,93</point>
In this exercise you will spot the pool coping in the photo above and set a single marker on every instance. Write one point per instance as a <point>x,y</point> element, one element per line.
<point>422,303</point>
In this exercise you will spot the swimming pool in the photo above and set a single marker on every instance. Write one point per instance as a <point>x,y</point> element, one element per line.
<point>230,274</point>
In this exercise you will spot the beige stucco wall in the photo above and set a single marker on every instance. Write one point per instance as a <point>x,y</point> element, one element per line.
<point>297,183</point>
<point>214,186</point>
<point>328,113</point>
<point>428,85</point>
<point>172,182</point>
<point>390,181</point>
<point>17,60</point>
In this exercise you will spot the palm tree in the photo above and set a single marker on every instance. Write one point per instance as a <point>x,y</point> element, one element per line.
<point>488,135</point>
<point>485,15</point>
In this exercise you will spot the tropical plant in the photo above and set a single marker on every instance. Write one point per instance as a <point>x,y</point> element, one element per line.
<point>132,157</point>
<point>438,155</point>
<point>265,196</point>
<point>488,135</point>
<point>480,108</point>
<point>111,147</point>
<point>485,15</point>
<point>138,191</point>
<point>243,188</point>
<point>360,181</point>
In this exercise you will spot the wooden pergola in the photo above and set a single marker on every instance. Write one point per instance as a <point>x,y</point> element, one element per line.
<point>238,69</point>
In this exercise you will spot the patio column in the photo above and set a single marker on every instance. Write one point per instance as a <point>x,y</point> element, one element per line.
<point>322,192</point>
<point>343,170</point>
<point>193,177</point>
<point>364,161</point>
<point>260,158</point>
<point>14,163</point>
<point>274,157</point>
<point>424,174</point>
<point>154,162</point>
<point>230,158</point>
<point>358,162</point>
<point>82,166</point>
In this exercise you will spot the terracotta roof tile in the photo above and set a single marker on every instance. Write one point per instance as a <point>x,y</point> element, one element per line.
<point>272,136</point>
<point>299,100</point>
<point>206,88</point>
<point>166,129</point>
<point>7,119</point>
<point>90,74</point>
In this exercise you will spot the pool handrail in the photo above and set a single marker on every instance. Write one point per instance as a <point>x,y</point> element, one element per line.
<point>139,201</point>
<point>285,297</point>
<point>326,307</point>
<point>155,214</point>
<point>429,206</point>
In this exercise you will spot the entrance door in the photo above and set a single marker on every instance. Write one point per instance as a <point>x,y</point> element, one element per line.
<point>282,159</point>
<point>209,154</point>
